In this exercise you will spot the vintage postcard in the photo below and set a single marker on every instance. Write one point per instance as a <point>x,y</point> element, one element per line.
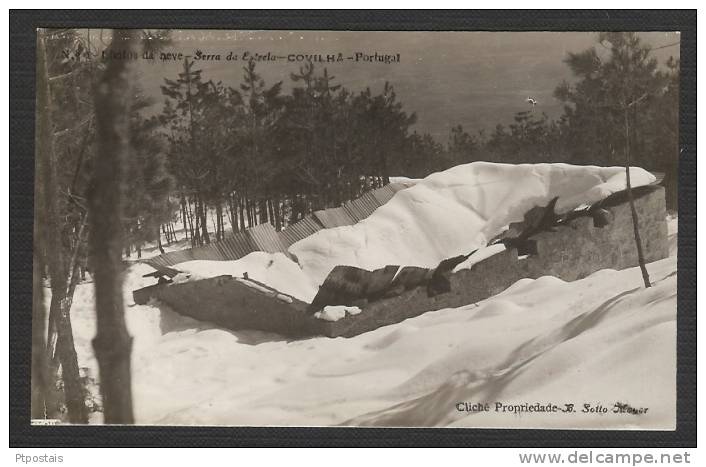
<point>356,228</point>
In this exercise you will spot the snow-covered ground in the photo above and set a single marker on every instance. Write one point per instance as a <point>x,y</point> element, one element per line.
<point>599,341</point>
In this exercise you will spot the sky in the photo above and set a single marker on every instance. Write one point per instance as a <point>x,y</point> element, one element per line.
<point>476,79</point>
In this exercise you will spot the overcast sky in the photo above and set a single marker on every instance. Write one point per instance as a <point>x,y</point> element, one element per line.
<point>476,79</point>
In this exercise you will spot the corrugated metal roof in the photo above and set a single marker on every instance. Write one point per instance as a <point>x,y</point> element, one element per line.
<point>230,248</point>
<point>158,262</point>
<point>168,259</point>
<point>365,205</point>
<point>299,230</point>
<point>207,252</point>
<point>334,217</point>
<point>352,211</point>
<point>240,244</point>
<point>384,194</point>
<point>265,238</point>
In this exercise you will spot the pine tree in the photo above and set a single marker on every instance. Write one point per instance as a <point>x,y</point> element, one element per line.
<point>60,346</point>
<point>605,103</point>
<point>462,146</point>
<point>148,182</point>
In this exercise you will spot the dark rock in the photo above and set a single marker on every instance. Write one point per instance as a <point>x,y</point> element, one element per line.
<point>346,284</point>
<point>601,217</point>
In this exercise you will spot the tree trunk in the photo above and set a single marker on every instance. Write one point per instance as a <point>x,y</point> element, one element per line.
<point>241,214</point>
<point>232,214</point>
<point>278,214</point>
<point>631,201</point>
<point>59,319</point>
<point>159,235</point>
<point>220,230</point>
<point>194,224</point>
<point>159,243</point>
<point>248,211</point>
<point>204,224</point>
<point>113,343</point>
<point>183,216</point>
<point>262,208</point>
<point>216,227</point>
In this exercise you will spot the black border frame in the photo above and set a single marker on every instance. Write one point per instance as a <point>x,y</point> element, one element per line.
<point>23,24</point>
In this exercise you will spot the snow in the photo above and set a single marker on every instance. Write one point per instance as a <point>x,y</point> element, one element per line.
<point>404,180</point>
<point>273,269</point>
<point>480,255</point>
<point>602,339</point>
<point>454,212</point>
<point>284,298</point>
<point>336,312</point>
<point>672,227</point>
<point>446,214</point>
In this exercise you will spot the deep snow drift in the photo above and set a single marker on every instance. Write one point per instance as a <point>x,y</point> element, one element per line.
<point>602,339</point>
<point>444,215</point>
<point>599,340</point>
<point>455,211</point>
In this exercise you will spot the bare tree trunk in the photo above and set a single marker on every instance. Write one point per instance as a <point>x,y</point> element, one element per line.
<point>262,209</point>
<point>248,210</point>
<point>241,213</point>
<point>113,343</point>
<point>278,214</point>
<point>220,230</point>
<point>183,216</point>
<point>204,224</point>
<point>631,201</point>
<point>159,242</point>
<point>214,223</point>
<point>232,214</point>
<point>59,318</point>
<point>194,222</point>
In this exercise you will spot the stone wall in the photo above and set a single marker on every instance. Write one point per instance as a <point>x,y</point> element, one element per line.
<point>239,304</point>
<point>572,252</point>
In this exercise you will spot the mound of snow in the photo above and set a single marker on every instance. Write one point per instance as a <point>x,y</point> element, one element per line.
<point>603,339</point>
<point>336,312</point>
<point>272,269</point>
<point>453,212</point>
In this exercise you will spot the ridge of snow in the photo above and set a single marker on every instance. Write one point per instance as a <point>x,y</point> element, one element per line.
<point>455,211</point>
<point>598,339</point>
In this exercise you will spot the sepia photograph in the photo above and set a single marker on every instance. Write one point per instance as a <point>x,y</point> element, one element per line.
<point>329,228</point>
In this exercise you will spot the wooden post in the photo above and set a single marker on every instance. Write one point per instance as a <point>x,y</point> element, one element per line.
<point>631,201</point>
